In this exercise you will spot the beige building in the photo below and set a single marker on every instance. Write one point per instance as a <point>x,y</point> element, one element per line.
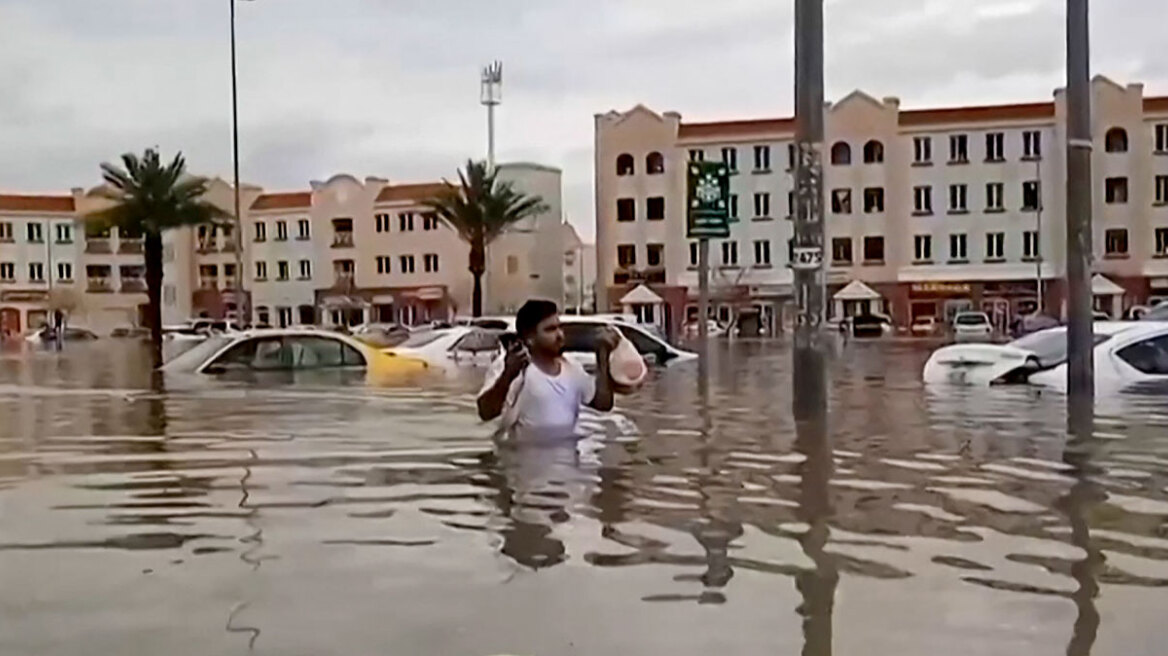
<point>579,272</point>
<point>927,211</point>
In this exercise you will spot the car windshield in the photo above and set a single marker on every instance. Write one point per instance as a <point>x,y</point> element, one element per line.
<point>195,356</point>
<point>1158,313</point>
<point>970,320</point>
<point>418,340</point>
<point>1049,346</point>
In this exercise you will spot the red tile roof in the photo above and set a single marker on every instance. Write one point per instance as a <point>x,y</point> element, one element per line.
<point>283,201</point>
<point>1156,104</point>
<point>26,203</point>
<point>735,128</point>
<point>416,192</point>
<point>984,114</point>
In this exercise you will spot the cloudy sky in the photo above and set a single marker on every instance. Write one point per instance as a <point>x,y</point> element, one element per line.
<point>390,87</point>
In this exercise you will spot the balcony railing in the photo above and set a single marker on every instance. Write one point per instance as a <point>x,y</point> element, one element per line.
<point>208,246</point>
<point>343,280</point>
<point>228,246</point>
<point>131,246</point>
<point>97,245</point>
<point>99,286</point>
<point>209,283</point>
<point>133,286</point>
<point>343,240</point>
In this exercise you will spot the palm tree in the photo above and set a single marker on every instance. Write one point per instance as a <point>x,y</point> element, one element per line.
<point>481,208</point>
<point>149,198</point>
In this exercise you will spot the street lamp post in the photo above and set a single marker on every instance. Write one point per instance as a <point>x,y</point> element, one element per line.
<point>1080,341</point>
<point>243,312</point>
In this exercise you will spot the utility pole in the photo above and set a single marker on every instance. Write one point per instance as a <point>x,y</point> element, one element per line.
<point>1041,309</point>
<point>703,292</point>
<point>243,312</point>
<point>809,377</point>
<point>1080,341</point>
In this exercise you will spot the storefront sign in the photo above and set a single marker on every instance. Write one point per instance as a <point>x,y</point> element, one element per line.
<point>24,297</point>
<point>941,288</point>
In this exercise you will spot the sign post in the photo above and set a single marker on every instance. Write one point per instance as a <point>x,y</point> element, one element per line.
<point>707,217</point>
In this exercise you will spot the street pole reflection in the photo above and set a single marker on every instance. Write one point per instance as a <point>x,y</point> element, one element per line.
<point>817,586</point>
<point>1084,495</point>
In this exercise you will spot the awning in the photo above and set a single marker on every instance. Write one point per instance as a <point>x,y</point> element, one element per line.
<point>642,295</point>
<point>857,291</point>
<point>1101,286</point>
<point>432,293</point>
<point>343,303</point>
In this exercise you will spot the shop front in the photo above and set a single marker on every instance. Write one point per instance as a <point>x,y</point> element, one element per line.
<point>1001,300</point>
<point>672,310</point>
<point>22,310</point>
<point>407,306</point>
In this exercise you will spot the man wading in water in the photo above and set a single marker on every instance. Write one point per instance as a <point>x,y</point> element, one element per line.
<point>534,388</point>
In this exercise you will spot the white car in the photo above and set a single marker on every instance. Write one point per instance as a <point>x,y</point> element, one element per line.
<point>1127,355</point>
<point>972,327</point>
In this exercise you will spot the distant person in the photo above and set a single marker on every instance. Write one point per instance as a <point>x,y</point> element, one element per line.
<point>534,388</point>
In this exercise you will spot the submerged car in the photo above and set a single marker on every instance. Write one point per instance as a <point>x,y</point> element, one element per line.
<point>1126,355</point>
<point>46,335</point>
<point>972,327</point>
<point>284,350</point>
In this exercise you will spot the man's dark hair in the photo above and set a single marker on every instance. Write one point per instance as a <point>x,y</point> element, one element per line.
<point>533,312</point>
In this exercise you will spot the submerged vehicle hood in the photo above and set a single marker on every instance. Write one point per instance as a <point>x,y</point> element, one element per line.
<point>975,364</point>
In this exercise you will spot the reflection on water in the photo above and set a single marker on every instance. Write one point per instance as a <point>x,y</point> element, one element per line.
<point>143,515</point>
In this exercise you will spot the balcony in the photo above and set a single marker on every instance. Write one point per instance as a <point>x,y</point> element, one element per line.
<point>343,240</point>
<point>209,284</point>
<point>343,280</point>
<point>229,246</point>
<point>207,246</point>
<point>133,286</point>
<point>128,246</point>
<point>98,245</point>
<point>99,286</point>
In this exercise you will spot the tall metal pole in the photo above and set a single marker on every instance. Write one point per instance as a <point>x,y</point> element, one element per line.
<point>703,293</point>
<point>1080,369</point>
<point>1041,309</point>
<point>810,384</point>
<point>242,310</point>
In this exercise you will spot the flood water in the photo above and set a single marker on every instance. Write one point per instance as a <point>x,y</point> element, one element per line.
<point>317,516</point>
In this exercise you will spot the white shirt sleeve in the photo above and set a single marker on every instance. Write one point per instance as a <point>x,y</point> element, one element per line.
<point>584,382</point>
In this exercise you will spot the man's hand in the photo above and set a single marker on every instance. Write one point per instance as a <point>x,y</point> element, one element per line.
<point>491,401</point>
<point>515,361</point>
<point>607,340</point>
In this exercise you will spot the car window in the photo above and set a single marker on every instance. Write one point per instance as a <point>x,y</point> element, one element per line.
<point>318,353</point>
<point>245,354</point>
<point>580,337</point>
<point>1149,356</point>
<point>645,345</point>
<point>478,341</point>
<point>970,320</point>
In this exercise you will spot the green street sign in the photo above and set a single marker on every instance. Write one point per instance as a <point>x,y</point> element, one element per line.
<point>707,200</point>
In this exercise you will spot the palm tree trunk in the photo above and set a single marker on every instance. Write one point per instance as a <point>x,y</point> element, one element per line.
<point>477,297</point>
<point>153,254</point>
<point>478,265</point>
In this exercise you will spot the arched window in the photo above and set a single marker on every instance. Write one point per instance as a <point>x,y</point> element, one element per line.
<point>654,163</point>
<point>624,164</point>
<point>841,154</point>
<point>873,152</point>
<point>1116,140</point>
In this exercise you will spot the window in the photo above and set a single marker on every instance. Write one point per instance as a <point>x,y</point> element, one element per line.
<point>626,256</point>
<point>282,270</point>
<point>626,209</point>
<point>958,149</point>
<point>655,164</point>
<point>305,269</point>
<point>1149,356</point>
<point>1115,191</point>
<point>1162,190</point>
<point>228,271</point>
<point>1031,144</point>
<point>625,164</point>
<point>923,248</point>
<point>382,222</point>
<point>512,265</point>
<point>873,152</point>
<point>841,201</point>
<point>1162,241</point>
<point>697,155</point>
<point>995,246</point>
<point>1030,246</point>
<point>36,272</point>
<point>281,231</point>
<point>729,253</point>
<point>208,271</point>
<point>730,158</point>
<point>7,271</point>
<point>406,263</point>
<point>261,270</point>
<point>430,263</point>
<point>873,200</point>
<point>655,208</point>
<point>958,195</point>
<point>841,154</point>
<point>762,253</point>
<point>957,248</point>
<point>790,204</point>
<point>994,193</point>
<point>303,230</point>
<point>261,231</point>
<point>762,205</point>
<point>792,156</point>
<point>64,271</point>
<point>923,200</point>
<point>762,158</point>
<point>405,222</point>
<point>1031,195</point>
<point>64,233</point>
<point>383,267</point>
<point>694,254</point>
<point>995,147</point>
<point>35,232</point>
<point>1115,242</point>
<point>655,255</point>
<point>5,231</point>
<point>923,150</point>
<point>733,206</point>
<point>874,249</point>
<point>1116,140</point>
<point>841,250</point>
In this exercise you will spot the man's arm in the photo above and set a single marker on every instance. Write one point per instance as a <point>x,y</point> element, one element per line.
<point>492,399</point>
<point>603,397</point>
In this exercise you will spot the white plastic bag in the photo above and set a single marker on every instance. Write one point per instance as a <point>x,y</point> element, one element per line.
<point>625,364</point>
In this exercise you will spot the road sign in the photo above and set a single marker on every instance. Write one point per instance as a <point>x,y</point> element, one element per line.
<point>807,257</point>
<point>707,200</point>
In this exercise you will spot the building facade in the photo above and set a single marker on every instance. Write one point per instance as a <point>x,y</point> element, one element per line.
<point>930,211</point>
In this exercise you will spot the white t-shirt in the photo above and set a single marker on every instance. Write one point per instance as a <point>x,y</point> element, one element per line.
<point>541,402</point>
